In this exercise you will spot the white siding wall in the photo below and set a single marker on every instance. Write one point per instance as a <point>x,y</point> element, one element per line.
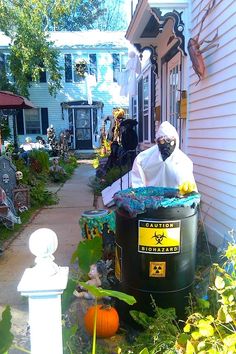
<point>105,89</point>
<point>212,119</point>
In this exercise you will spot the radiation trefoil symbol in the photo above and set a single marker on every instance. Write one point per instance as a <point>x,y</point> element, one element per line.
<point>157,269</point>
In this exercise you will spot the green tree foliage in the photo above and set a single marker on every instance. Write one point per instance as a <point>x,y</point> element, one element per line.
<point>31,51</point>
<point>84,16</point>
<point>105,15</point>
<point>114,16</point>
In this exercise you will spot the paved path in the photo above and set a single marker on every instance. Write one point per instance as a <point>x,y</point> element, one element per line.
<point>74,197</point>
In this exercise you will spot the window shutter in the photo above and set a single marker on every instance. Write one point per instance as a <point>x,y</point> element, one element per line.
<point>20,122</point>
<point>44,118</point>
<point>93,65</point>
<point>115,65</point>
<point>42,76</point>
<point>68,68</point>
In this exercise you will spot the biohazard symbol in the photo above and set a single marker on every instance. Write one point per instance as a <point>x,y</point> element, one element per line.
<point>159,237</point>
<point>157,269</point>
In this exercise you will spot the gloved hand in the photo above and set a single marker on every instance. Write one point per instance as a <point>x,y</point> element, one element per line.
<point>187,187</point>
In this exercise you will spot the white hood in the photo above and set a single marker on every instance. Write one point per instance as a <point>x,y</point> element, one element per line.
<point>166,129</point>
<point>149,169</point>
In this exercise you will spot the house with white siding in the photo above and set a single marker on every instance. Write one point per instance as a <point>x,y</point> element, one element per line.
<point>203,112</point>
<point>82,102</point>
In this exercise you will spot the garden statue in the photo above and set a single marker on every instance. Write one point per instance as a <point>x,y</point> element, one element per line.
<point>98,275</point>
<point>40,142</point>
<point>56,171</point>
<point>25,149</point>
<point>164,164</point>
<point>119,116</point>
<point>51,135</point>
<point>64,142</point>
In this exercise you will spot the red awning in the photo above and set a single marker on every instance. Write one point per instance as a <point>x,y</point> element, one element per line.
<point>9,100</point>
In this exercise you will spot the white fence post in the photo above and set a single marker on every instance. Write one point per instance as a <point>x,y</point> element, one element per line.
<point>44,284</point>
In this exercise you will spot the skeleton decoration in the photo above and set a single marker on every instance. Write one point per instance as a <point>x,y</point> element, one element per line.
<point>5,178</point>
<point>195,50</point>
<point>19,175</point>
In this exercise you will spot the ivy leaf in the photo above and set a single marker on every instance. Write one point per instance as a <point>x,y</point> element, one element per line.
<point>88,252</point>
<point>99,292</point>
<point>223,315</point>
<point>201,345</point>
<point>219,283</point>
<point>196,335</point>
<point>68,295</point>
<point>190,348</point>
<point>230,340</point>
<point>182,339</point>
<point>67,333</point>
<point>187,328</point>
<point>204,304</point>
<point>144,351</point>
<point>5,331</point>
<point>141,318</point>
<point>206,330</point>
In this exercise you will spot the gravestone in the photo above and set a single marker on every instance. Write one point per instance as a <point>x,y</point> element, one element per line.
<point>7,176</point>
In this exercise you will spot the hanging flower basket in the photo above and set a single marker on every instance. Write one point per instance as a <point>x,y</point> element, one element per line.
<point>81,67</point>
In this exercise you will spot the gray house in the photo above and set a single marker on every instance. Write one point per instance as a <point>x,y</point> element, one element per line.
<point>84,100</point>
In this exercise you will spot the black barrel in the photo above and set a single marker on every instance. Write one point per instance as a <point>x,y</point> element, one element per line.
<point>156,255</point>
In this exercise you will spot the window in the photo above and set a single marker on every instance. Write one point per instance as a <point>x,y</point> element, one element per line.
<point>173,94</point>
<point>70,73</point>
<point>119,61</point>
<point>171,83</point>
<point>134,107</point>
<point>5,62</point>
<point>32,121</point>
<point>146,104</point>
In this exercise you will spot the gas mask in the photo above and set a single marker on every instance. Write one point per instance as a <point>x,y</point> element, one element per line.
<point>166,146</point>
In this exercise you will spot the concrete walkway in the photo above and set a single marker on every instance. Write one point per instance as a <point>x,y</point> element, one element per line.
<point>74,197</point>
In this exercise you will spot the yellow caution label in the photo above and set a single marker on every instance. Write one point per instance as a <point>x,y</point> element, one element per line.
<point>159,237</point>
<point>157,269</point>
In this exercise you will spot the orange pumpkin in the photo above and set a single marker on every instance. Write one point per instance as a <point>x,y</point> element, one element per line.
<point>107,320</point>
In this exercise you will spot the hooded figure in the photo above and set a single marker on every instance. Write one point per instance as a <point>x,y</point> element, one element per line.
<point>164,164</point>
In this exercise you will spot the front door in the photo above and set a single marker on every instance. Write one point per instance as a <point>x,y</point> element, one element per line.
<point>83,128</point>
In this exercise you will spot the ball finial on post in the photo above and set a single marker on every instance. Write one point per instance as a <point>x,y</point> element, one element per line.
<point>43,243</point>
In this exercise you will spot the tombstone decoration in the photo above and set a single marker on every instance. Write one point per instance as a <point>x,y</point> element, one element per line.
<point>21,198</point>
<point>7,176</point>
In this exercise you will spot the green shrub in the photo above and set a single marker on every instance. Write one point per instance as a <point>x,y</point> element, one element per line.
<point>40,196</point>
<point>39,161</point>
<point>98,184</point>
<point>211,327</point>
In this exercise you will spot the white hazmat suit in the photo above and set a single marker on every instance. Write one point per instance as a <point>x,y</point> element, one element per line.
<point>149,169</point>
